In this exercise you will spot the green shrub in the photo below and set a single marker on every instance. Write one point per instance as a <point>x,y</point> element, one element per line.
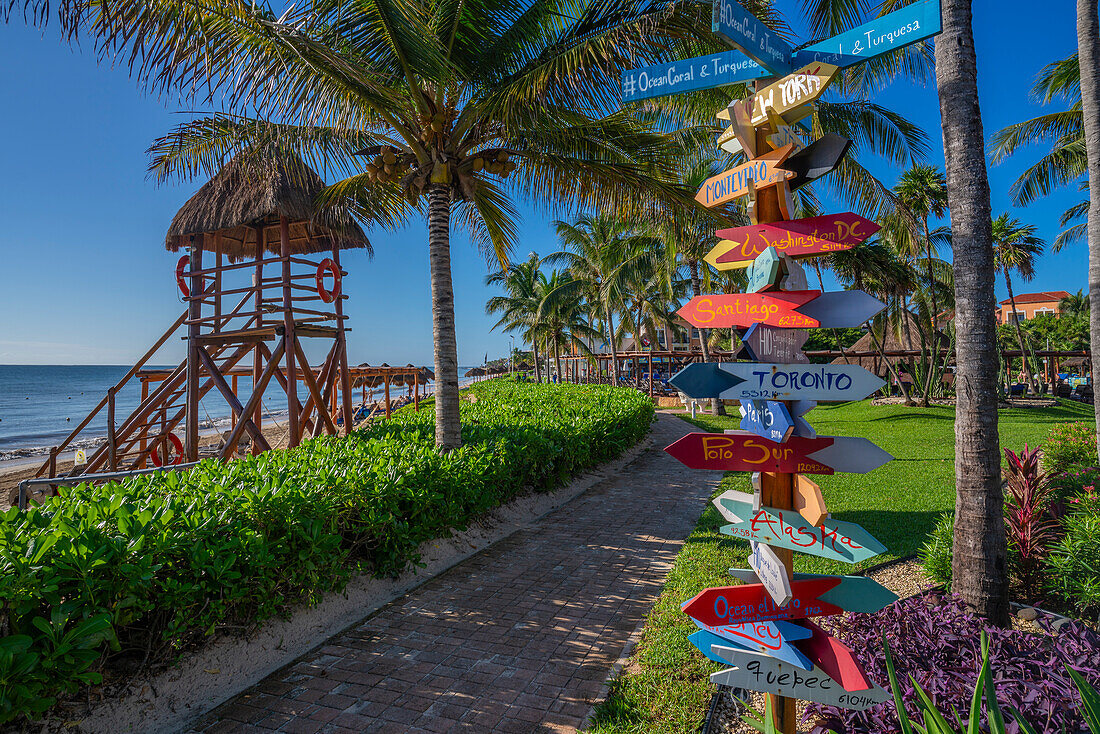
<point>1073,565</point>
<point>935,554</point>
<point>161,561</point>
<point>1070,446</point>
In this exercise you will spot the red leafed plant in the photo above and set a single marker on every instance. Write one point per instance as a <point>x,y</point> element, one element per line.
<point>1029,522</point>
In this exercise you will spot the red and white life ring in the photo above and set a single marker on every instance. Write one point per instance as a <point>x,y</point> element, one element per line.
<point>173,439</point>
<point>181,281</point>
<point>328,266</point>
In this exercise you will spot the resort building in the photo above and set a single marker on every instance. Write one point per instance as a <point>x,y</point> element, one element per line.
<point>1030,305</point>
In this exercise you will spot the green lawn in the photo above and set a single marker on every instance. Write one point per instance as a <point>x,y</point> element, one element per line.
<point>665,687</point>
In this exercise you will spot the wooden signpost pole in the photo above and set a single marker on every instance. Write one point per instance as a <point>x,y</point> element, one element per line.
<point>776,489</point>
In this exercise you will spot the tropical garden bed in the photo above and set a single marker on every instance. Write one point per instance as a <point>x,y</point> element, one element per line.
<point>665,687</point>
<point>107,580</point>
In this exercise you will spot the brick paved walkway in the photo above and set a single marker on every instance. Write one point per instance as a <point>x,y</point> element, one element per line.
<point>519,638</point>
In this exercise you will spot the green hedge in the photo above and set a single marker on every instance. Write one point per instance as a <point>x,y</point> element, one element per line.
<point>159,562</point>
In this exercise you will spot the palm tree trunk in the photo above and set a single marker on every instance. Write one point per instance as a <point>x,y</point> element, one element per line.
<point>1019,333</point>
<point>535,356</point>
<point>935,361</point>
<point>717,407</point>
<point>1088,49</point>
<point>557,357</point>
<point>978,560</point>
<point>611,343</point>
<point>448,429</point>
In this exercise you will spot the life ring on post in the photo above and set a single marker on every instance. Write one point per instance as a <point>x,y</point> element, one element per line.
<point>328,266</point>
<point>173,439</point>
<point>181,280</point>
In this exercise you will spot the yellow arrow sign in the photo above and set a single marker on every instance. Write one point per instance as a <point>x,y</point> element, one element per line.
<point>808,501</point>
<point>743,179</point>
<point>790,97</point>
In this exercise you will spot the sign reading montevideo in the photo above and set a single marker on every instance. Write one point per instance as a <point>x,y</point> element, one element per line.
<point>688,75</point>
<point>740,246</point>
<point>833,539</point>
<point>742,29</point>
<point>790,97</point>
<point>747,177</point>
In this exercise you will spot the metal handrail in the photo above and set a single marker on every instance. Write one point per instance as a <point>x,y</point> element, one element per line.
<point>26,484</point>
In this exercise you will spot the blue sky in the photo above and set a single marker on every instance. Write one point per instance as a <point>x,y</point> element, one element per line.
<point>85,277</point>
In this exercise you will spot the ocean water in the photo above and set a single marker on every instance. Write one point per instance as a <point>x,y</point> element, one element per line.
<point>41,404</point>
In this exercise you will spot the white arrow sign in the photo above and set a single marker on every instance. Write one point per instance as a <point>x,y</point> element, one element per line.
<point>821,382</point>
<point>769,569</point>
<point>756,672</point>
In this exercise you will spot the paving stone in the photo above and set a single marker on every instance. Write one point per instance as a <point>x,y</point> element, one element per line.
<point>518,638</point>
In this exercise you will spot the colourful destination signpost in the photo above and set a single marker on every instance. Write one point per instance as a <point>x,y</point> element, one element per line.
<point>739,246</point>
<point>834,539</point>
<point>858,594</point>
<point>769,569</point>
<point>689,75</point>
<point>703,639</point>
<point>808,500</point>
<point>770,344</point>
<point>768,419</point>
<point>817,159</point>
<point>746,309</point>
<point>760,43</point>
<point>766,637</point>
<point>790,97</point>
<point>737,182</point>
<point>747,452</point>
<point>887,33</point>
<point>835,658</point>
<point>825,383</point>
<point>757,672</point>
<point>752,603</point>
<point>764,271</point>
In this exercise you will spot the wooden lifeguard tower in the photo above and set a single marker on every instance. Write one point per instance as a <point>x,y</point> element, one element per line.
<point>260,272</point>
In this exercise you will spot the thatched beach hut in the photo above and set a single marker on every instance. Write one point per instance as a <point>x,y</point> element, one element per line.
<point>907,340</point>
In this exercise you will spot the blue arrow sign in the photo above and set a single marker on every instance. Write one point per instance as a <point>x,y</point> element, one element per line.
<point>767,381</point>
<point>689,75</point>
<point>834,539</point>
<point>760,43</point>
<point>763,272</point>
<point>770,638</point>
<point>768,419</point>
<point>890,32</point>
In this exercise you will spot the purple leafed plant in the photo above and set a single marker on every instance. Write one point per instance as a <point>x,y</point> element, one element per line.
<point>938,643</point>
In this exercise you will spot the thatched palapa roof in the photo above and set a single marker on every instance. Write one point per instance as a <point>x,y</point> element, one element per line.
<point>908,339</point>
<point>252,192</point>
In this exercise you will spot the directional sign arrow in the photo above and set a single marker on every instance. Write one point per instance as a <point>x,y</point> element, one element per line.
<point>753,603</point>
<point>770,344</point>
<point>769,569</point>
<point>739,246</point>
<point>766,418</point>
<point>808,500</point>
<point>741,28</point>
<point>835,658</point>
<point>887,33</point>
<point>739,451</point>
<point>689,75</point>
<point>771,638</point>
<point>795,279</point>
<point>768,381</point>
<point>764,271</point>
<point>758,173</point>
<point>817,159</point>
<point>853,593</point>
<point>790,97</point>
<point>746,309</point>
<point>704,639</point>
<point>842,309</point>
<point>834,539</point>
<point>799,408</point>
<point>756,672</point>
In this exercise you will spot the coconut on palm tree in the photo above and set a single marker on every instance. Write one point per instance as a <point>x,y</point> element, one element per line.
<point>1015,247</point>
<point>445,110</point>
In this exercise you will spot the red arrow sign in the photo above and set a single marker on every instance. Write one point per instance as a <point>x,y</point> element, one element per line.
<point>746,309</point>
<point>835,658</point>
<point>753,603</point>
<point>798,238</point>
<point>749,452</point>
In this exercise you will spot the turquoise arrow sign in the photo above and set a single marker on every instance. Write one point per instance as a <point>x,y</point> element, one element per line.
<point>766,418</point>
<point>764,271</point>
<point>834,539</point>
<point>852,594</point>
<point>767,381</point>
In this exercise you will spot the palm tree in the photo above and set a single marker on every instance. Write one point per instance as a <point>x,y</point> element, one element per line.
<point>520,306</point>
<point>1088,46</point>
<point>978,558</point>
<point>603,254</point>
<point>1015,247</point>
<point>446,100</point>
<point>1075,306</point>
<point>561,319</point>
